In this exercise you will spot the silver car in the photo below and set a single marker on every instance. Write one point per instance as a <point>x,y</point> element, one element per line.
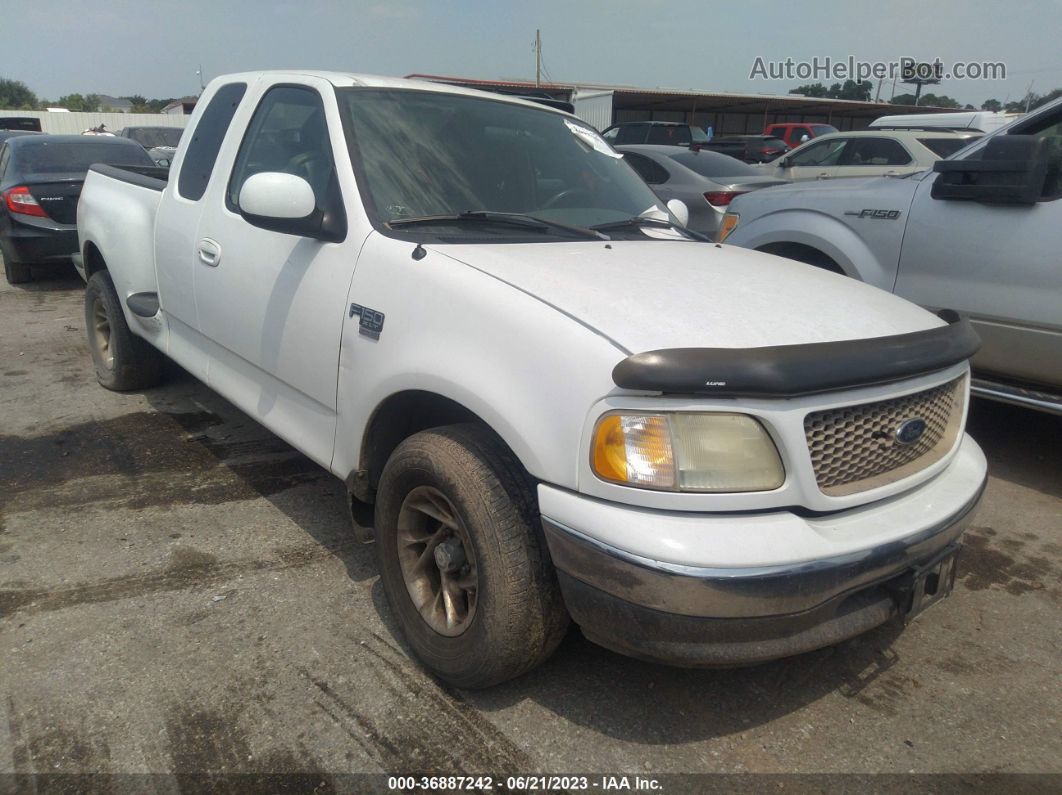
<point>706,181</point>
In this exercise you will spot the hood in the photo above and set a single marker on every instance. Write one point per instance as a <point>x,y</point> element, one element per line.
<point>646,295</point>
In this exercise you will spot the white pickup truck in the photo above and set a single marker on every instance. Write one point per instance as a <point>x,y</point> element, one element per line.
<point>980,234</point>
<point>473,311</point>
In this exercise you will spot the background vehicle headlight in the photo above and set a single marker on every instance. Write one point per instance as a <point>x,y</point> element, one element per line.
<point>701,451</point>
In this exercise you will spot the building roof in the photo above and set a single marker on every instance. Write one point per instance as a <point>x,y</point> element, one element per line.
<point>664,99</point>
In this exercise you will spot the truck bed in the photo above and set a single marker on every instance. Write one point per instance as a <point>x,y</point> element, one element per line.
<point>152,177</point>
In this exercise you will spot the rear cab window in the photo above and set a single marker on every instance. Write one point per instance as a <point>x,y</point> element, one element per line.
<point>209,132</point>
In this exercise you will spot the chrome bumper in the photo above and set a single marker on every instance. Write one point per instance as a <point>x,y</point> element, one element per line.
<point>736,593</point>
<point>712,616</point>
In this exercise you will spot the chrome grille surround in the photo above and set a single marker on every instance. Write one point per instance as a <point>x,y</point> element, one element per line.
<point>854,448</point>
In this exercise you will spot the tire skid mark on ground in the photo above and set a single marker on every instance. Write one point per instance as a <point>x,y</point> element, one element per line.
<point>434,733</point>
<point>146,459</point>
<point>188,568</point>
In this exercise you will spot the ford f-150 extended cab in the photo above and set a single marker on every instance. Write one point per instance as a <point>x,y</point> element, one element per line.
<point>980,234</point>
<point>561,402</point>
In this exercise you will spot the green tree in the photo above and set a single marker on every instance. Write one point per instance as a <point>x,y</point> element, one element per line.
<point>903,99</point>
<point>15,95</point>
<point>851,90</point>
<point>140,103</point>
<point>811,90</point>
<point>993,105</point>
<point>939,101</point>
<point>156,105</point>
<point>78,102</point>
<point>1048,97</point>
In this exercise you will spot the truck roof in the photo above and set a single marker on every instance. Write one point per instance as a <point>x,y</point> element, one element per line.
<point>353,80</point>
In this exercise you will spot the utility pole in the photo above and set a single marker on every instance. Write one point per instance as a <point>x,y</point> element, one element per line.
<point>877,95</point>
<point>1028,95</point>
<point>538,57</point>
<point>202,86</point>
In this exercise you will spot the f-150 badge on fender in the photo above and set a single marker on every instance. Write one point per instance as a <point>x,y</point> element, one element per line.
<point>371,324</point>
<point>884,215</point>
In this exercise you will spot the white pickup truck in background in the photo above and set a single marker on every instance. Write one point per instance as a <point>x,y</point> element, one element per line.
<point>473,311</point>
<point>980,234</point>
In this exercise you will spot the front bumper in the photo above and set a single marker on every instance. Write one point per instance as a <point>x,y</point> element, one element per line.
<point>731,615</point>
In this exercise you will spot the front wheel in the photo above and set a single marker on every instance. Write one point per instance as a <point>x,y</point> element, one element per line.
<point>123,361</point>
<point>462,558</point>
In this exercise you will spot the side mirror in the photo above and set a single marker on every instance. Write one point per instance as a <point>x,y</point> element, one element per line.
<point>680,211</point>
<point>280,203</point>
<point>1011,170</point>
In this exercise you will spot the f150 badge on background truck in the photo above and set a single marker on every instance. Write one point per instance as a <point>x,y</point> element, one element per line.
<point>730,479</point>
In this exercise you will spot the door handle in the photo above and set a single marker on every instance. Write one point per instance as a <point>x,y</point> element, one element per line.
<point>209,252</point>
<point>892,173</point>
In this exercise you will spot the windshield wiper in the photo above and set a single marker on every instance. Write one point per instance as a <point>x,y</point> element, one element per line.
<point>641,220</point>
<point>520,220</point>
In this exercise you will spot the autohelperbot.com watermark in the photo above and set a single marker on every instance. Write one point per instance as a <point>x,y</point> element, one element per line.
<point>851,68</point>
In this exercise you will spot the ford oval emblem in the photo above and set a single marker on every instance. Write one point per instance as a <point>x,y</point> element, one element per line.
<point>910,431</point>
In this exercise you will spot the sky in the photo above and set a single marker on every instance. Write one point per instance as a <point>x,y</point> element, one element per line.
<point>154,47</point>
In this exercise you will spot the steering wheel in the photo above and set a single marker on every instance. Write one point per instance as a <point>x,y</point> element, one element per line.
<point>305,163</point>
<point>567,193</point>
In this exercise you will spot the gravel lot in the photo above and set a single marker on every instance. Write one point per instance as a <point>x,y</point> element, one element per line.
<point>180,591</point>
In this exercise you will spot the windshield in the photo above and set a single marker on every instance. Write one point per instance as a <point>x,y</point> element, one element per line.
<point>422,153</point>
<point>44,157</point>
<point>149,137</point>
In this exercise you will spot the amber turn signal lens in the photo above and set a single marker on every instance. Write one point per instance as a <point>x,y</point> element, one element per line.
<point>727,225</point>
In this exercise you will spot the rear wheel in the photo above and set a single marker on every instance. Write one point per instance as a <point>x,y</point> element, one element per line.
<point>123,360</point>
<point>462,558</point>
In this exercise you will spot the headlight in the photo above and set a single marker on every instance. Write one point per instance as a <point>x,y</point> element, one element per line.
<point>701,451</point>
<point>726,226</point>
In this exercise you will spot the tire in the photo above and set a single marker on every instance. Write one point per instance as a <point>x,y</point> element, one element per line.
<point>16,272</point>
<point>517,617</point>
<point>123,361</point>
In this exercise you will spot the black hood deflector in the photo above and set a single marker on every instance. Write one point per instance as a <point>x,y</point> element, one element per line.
<point>794,370</point>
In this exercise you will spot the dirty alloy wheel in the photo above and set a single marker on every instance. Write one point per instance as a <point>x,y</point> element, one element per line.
<point>462,557</point>
<point>437,560</point>
<point>123,361</point>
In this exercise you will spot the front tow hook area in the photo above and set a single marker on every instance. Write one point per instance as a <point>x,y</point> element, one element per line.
<point>921,587</point>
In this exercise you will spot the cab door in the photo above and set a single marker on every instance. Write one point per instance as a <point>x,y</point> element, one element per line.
<point>273,304</point>
<point>998,264</point>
